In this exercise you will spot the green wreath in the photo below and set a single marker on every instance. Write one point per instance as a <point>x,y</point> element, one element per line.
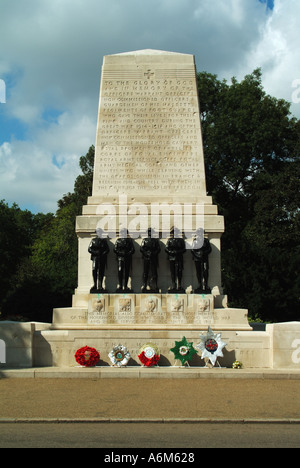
<point>183,350</point>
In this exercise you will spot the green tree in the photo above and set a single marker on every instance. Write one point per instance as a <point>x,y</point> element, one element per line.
<point>83,183</point>
<point>54,253</point>
<point>245,131</point>
<point>55,250</point>
<point>251,147</point>
<point>38,268</point>
<point>18,232</point>
<point>273,237</point>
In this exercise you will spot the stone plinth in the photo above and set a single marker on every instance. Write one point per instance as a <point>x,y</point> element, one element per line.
<point>36,345</point>
<point>148,172</point>
<point>285,341</point>
<point>60,346</point>
<point>150,311</point>
<point>17,343</point>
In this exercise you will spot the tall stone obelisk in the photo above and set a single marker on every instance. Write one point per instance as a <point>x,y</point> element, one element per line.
<point>149,141</point>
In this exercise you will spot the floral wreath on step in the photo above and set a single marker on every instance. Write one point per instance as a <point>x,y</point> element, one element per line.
<point>211,346</point>
<point>183,350</point>
<point>87,356</point>
<point>149,354</point>
<point>119,356</point>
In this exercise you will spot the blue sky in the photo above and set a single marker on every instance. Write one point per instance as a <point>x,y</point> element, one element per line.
<point>51,53</point>
<point>269,3</point>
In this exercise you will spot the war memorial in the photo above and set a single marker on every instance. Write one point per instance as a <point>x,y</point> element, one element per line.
<point>149,241</point>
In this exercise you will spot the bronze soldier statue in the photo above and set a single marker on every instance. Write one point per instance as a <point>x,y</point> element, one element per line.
<point>201,249</point>
<point>150,250</point>
<point>175,249</point>
<point>98,249</point>
<point>124,249</point>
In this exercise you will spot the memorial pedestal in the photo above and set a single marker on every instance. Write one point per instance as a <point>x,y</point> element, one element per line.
<point>153,311</point>
<point>132,320</point>
<point>148,173</point>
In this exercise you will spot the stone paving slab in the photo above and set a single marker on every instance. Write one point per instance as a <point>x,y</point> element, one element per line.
<point>153,373</point>
<point>88,396</point>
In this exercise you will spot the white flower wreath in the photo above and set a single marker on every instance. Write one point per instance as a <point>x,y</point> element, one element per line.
<point>119,356</point>
<point>211,346</point>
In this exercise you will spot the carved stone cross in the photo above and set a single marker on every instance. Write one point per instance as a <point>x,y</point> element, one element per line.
<point>149,74</point>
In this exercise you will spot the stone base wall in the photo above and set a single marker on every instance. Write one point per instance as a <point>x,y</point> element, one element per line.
<point>26,345</point>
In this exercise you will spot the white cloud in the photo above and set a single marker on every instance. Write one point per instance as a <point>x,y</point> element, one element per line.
<point>60,44</point>
<point>278,52</point>
<point>29,176</point>
<point>53,53</point>
<point>7,164</point>
<point>72,133</point>
<point>37,173</point>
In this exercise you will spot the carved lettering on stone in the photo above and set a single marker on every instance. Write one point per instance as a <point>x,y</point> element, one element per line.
<point>148,135</point>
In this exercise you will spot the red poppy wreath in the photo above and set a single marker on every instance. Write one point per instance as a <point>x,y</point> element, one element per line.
<point>149,355</point>
<point>87,357</point>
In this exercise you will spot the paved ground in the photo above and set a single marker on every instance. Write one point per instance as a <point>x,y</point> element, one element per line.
<point>160,399</point>
<point>150,398</point>
<point>181,439</point>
